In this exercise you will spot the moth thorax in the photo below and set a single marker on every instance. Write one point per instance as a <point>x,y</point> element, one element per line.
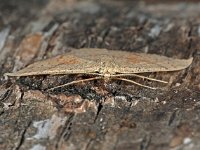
<point>105,73</point>
<point>106,69</point>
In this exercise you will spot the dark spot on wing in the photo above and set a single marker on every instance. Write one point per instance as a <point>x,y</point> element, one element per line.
<point>70,60</point>
<point>134,59</point>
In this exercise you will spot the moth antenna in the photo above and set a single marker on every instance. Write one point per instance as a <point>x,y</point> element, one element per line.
<point>140,76</point>
<point>127,80</point>
<point>74,82</point>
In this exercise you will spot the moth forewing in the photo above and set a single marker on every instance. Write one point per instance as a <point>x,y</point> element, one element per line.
<point>62,64</point>
<point>151,63</point>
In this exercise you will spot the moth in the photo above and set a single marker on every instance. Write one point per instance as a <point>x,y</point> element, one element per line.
<point>104,64</point>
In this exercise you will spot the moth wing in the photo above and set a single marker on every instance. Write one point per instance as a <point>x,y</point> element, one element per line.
<point>62,64</point>
<point>128,62</point>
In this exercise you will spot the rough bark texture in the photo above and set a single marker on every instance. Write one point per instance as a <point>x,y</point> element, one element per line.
<point>98,115</point>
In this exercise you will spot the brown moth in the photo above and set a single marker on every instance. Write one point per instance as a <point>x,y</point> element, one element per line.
<point>104,64</point>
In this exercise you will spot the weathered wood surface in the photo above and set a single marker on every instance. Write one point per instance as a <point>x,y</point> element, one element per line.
<point>96,115</point>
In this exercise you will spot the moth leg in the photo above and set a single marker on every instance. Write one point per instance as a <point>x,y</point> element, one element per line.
<point>95,74</point>
<point>139,76</point>
<point>127,80</point>
<point>75,82</point>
